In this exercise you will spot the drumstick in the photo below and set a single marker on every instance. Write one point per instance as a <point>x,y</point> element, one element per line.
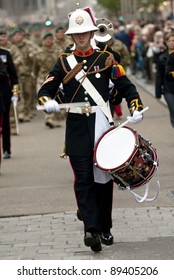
<point>124,123</point>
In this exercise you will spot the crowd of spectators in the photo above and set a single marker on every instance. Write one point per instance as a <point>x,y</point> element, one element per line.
<point>151,48</point>
<point>145,42</point>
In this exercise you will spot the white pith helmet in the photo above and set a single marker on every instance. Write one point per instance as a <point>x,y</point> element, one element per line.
<point>81,21</point>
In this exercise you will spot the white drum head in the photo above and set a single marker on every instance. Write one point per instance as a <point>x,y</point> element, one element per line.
<point>115,148</point>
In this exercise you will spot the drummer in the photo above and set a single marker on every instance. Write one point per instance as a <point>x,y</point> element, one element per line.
<point>85,75</point>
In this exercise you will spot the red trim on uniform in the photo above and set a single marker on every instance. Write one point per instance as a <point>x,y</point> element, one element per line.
<point>86,53</point>
<point>74,181</point>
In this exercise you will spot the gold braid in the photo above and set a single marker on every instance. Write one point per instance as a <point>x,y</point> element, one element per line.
<point>72,73</point>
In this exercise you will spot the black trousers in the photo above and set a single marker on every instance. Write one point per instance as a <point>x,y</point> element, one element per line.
<point>6,136</point>
<point>94,200</point>
<point>1,119</point>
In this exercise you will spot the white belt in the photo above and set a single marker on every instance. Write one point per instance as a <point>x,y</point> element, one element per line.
<point>83,110</point>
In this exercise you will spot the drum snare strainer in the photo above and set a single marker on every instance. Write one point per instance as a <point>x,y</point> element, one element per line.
<point>128,158</point>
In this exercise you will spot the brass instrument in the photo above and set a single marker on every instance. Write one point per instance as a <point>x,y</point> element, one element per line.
<point>105,30</point>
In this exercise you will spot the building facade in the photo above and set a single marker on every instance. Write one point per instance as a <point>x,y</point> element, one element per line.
<point>19,11</point>
<point>128,9</point>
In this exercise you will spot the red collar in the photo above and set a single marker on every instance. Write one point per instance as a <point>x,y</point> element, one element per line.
<point>87,53</point>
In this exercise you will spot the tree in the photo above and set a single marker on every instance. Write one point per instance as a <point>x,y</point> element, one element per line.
<point>112,5</point>
<point>146,3</point>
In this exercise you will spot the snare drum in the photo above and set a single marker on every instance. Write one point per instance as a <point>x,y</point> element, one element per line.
<point>127,156</point>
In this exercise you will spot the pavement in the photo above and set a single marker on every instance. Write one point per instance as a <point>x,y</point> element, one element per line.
<point>38,220</point>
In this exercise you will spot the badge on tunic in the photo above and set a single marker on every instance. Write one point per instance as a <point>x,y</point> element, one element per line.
<point>96,68</point>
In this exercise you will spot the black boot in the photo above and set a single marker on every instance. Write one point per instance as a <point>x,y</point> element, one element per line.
<point>106,238</point>
<point>92,239</point>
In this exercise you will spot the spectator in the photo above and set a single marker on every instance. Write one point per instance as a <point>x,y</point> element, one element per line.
<point>163,86</point>
<point>10,89</point>
<point>123,36</point>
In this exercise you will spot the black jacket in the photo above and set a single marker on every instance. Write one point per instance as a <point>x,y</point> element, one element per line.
<point>80,128</point>
<point>11,78</point>
<point>3,76</point>
<point>162,85</point>
<point>170,67</point>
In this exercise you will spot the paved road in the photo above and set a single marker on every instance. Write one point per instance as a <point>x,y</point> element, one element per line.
<point>37,204</point>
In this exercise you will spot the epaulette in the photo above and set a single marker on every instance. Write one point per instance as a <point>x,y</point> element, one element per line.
<point>104,51</point>
<point>66,54</point>
<point>60,55</point>
<point>110,59</point>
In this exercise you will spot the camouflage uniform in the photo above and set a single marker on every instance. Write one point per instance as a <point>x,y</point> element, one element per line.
<point>36,34</point>
<point>119,47</point>
<point>43,63</point>
<point>27,52</point>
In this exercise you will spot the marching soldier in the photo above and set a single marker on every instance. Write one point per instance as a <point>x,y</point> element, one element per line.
<point>17,60</point>
<point>85,74</point>
<point>10,89</point>
<point>61,40</point>
<point>36,34</point>
<point>44,61</point>
<point>164,76</point>
<point>28,94</point>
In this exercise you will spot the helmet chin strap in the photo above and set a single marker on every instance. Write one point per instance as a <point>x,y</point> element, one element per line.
<point>143,198</point>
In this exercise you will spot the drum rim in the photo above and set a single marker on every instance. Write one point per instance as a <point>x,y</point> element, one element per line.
<point>129,158</point>
<point>155,158</point>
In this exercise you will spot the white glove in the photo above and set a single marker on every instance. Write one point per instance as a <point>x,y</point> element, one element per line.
<point>51,106</point>
<point>14,99</point>
<point>137,117</point>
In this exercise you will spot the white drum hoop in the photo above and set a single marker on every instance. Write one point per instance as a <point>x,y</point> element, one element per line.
<point>115,148</point>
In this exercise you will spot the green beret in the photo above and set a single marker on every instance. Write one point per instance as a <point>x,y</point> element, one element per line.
<point>3,31</point>
<point>14,31</point>
<point>47,34</point>
<point>36,26</point>
<point>59,28</point>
